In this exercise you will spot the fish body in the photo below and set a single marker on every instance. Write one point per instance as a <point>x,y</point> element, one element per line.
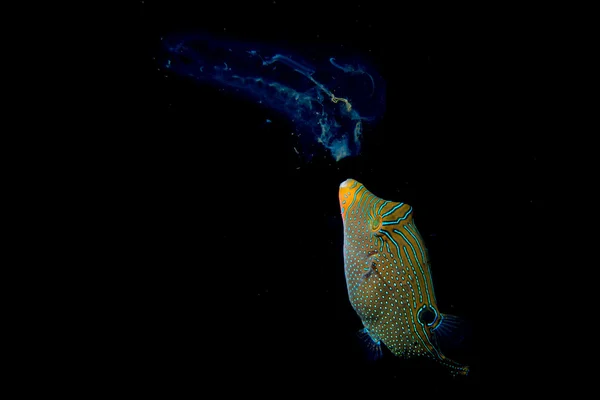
<point>388,276</point>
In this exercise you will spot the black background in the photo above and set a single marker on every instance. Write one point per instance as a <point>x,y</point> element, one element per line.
<point>236,279</point>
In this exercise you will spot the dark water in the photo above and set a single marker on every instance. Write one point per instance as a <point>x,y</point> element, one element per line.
<point>239,283</point>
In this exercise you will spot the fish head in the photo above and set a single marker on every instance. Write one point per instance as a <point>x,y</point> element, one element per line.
<point>351,192</point>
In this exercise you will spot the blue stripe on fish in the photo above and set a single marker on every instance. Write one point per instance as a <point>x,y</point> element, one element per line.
<point>392,210</point>
<point>417,259</point>
<point>399,219</point>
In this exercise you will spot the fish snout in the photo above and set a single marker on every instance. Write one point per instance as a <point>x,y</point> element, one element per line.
<point>346,183</point>
<point>346,193</point>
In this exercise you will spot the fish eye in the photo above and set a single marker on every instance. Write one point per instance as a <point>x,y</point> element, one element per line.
<point>426,315</point>
<point>376,223</point>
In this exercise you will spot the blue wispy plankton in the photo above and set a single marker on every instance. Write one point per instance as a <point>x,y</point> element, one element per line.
<point>329,100</point>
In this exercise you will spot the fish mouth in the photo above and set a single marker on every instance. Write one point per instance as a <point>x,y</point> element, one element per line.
<point>346,183</point>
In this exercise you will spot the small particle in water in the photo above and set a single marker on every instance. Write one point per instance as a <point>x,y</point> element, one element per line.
<point>296,150</point>
<point>268,121</point>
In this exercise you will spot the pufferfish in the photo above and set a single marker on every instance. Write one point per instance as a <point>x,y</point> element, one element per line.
<point>388,277</point>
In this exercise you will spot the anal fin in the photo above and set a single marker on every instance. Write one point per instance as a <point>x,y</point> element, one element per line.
<point>370,344</point>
